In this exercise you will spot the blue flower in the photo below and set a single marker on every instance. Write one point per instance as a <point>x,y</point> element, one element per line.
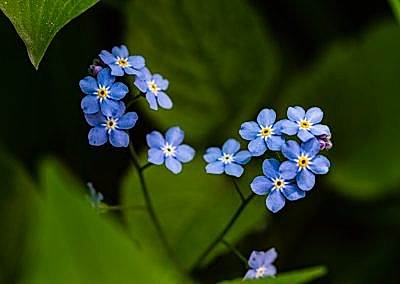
<point>304,124</point>
<point>120,62</point>
<point>304,163</point>
<point>95,197</point>
<point>154,86</point>
<point>263,134</point>
<point>228,160</point>
<point>170,150</point>
<point>276,185</point>
<point>111,128</point>
<point>103,94</point>
<point>260,264</point>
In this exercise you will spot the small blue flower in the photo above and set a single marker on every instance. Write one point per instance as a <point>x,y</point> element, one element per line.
<point>304,163</point>
<point>276,186</point>
<point>263,134</point>
<point>304,124</point>
<point>154,86</point>
<point>111,128</point>
<point>95,197</point>
<point>170,150</point>
<point>228,160</point>
<point>103,94</point>
<point>120,62</point>
<point>260,264</point>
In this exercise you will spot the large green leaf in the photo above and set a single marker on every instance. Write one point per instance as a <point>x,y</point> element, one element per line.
<point>217,55</point>
<point>193,208</point>
<point>293,277</point>
<point>357,85</point>
<point>71,243</point>
<point>38,21</point>
<point>396,8</point>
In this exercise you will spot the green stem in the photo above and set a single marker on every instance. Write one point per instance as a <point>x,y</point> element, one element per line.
<point>235,251</point>
<point>228,226</point>
<point>119,207</point>
<point>238,189</point>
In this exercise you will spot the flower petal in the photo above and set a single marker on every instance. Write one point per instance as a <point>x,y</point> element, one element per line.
<point>160,81</point>
<point>242,157</point>
<point>116,70</point>
<point>118,91</point>
<point>95,119</point>
<point>212,154</point>
<point>270,168</point>
<point>145,74</point>
<point>250,274</point>
<point>249,130</point>
<point>121,51</point>
<point>266,117</point>
<point>90,104</point>
<point>119,138</point>
<point>105,78</point>
<point>261,185</point>
<point>132,71</point>
<point>295,113</point>
<point>215,168</point>
<point>231,146</point>
<point>184,153</point>
<point>127,121</point>
<point>164,101</point>
<point>270,270</point>
<point>305,180</point>
<point>275,201</point>
<point>151,99</point>
<point>289,127</point>
<point>155,156</point>
<point>155,139</point>
<point>275,142</point>
<point>112,108</point>
<point>291,150</point>
<point>233,169</point>
<point>141,85</point>
<point>320,165</point>
<point>97,136</point>
<point>304,135</point>
<point>311,147</point>
<point>256,259</point>
<point>136,61</point>
<point>288,170</point>
<point>257,147</point>
<point>292,192</point>
<point>88,85</point>
<point>107,57</point>
<point>314,115</point>
<point>174,136</point>
<point>173,165</point>
<point>320,129</point>
<point>269,256</point>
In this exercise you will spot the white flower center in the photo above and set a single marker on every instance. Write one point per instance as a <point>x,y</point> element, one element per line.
<point>102,92</point>
<point>260,272</point>
<point>123,62</point>
<point>111,123</point>
<point>169,150</point>
<point>266,132</point>
<point>279,183</point>
<point>226,158</point>
<point>304,124</point>
<point>153,87</point>
<point>303,161</point>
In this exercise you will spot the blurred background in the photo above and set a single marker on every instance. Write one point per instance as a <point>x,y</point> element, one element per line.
<point>225,60</point>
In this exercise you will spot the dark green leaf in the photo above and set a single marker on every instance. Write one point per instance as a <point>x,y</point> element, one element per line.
<point>396,8</point>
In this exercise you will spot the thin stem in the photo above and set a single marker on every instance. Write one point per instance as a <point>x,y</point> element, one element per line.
<point>149,204</point>
<point>238,189</point>
<point>235,251</point>
<point>228,226</point>
<point>142,168</point>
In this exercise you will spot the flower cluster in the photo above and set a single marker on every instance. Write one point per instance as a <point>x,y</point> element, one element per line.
<point>281,180</point>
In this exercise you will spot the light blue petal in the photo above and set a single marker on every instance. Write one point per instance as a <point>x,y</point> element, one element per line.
<point>136,61</point>
<point>107,57</point>
<point>256,259</point>
<point>311,147</point>
<point>121,51</point>
<point>173,165</point>
<point>242,157</point>
<point>160,81</point>
<point>275,201</point>
<point>132,71</point>
<point>95,119</point>
<point>250,274</point>
<point>97,136</point>
<point>305,180</point>
<point>270,168</point>
<point>145,74</point>
<point>184,153</point>
<point>261,185</point>
<point>174,136</point>
<point>296,113</point>
<point>314,115</point>
<point>291,150</point>
<point>164,101</point>
<point>249,130</point>
<point>277,127</point>
<point>88,85</point>
<point>233,169</point>
<point>215,168</point>
<point>212,154</point>
<point>320,165</point>
<point>118,91</point>
<point>105,78</point>
<point>288,170</point>
<point>304,135</point>
<point>151,99</point>
<point>141,85</point>
<point>155,156</point>
<point>266,117</point>
<point>275,142</point>
<point>231,146</point>
<point>289,127</point>
<point>269,256</point>
<point>116,70</point>
<point>292,192</point>
<point>111,108</point>
<point>257,147</point>
<point>90,104</point>
<point>127,121</point>
<point>119,138</point>
<point>270,270</point>
<point>320,129</point>
<point>155,139</point>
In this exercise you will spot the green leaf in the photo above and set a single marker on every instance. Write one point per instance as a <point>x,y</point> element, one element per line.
<point>357,85</point>
<point>217,56</point>
<point>293,277</point>
<point>38,21</point>
<point>396,8</point>
<point>71,243</point>
<point>193,208</point>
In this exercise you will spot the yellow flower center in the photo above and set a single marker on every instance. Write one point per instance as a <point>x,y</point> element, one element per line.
<point>305,124</point>
<point>168,150</point>
<point>111,124</point>
<point>266,132</point>
<point>123,62</point>
<point>279,183</point>
<point>153,87</point>
<point>303,161</point>
<point>102,92</point>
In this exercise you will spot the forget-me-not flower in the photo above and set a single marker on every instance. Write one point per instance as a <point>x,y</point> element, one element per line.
<point>260,264</point>
<point>263,134</point>
<point>304,163</point>
<point>276,185</point>
<point>111,128</point>
<point>96,198</point>
<point>304,124</point>
<point>170,150</point>
<point>103,94</point>
<point>228,160</point>
<point>154,86</point>
<point>120,62</point>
